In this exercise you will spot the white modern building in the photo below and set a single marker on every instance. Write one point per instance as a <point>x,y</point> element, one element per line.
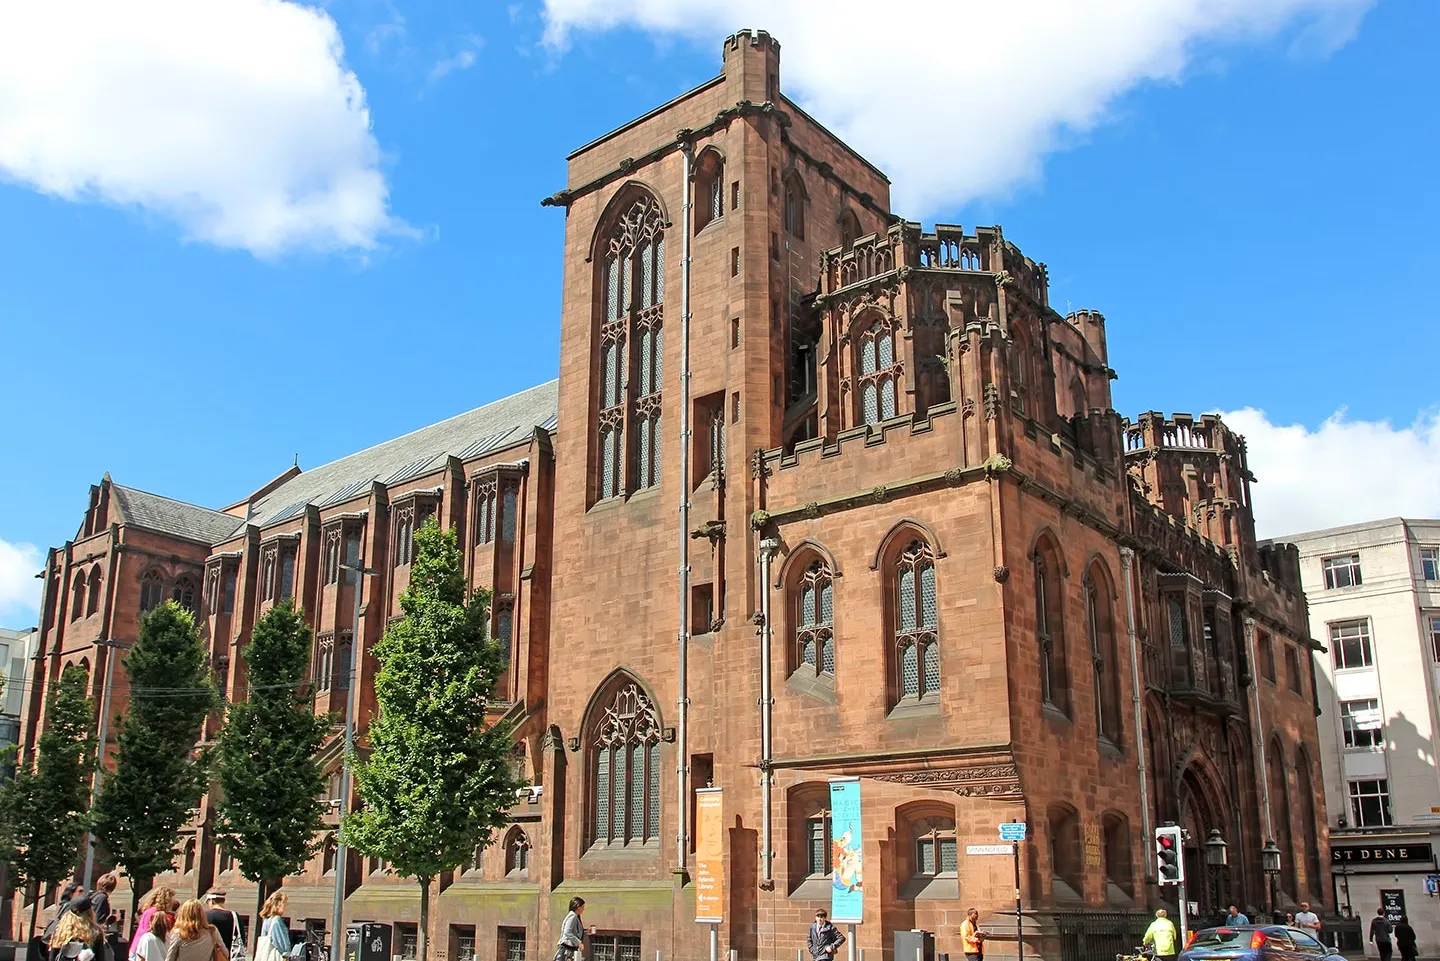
<point>16,649</point>
<point>1374,595</point>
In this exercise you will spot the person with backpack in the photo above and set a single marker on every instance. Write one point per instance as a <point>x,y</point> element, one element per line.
<point>77,937</point>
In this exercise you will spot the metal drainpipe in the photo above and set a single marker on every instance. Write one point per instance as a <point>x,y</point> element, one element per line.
<point>1127,561</point>
<point>767,856</point>
<point>682,763</point>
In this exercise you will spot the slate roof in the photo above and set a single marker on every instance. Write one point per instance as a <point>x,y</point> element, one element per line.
<point>169,516</point>
<point>505,421</point>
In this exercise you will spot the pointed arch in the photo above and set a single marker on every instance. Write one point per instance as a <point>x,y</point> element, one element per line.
<point>876,342</point>
<point>796,555</point>
<point>1102,634</point>
<point>1047,565</point>
<point>622,737</point>
<point>809,616</point>
<point>517,853</point>
<point>1277,774</point>
<point>796,198</point>
<point>92,602</point>
<point>1309,821</point>
<point>709,174</point>
<point>905,529</point>
<point>628,192</point>
<point>77,596</point>
<point>849,228</point>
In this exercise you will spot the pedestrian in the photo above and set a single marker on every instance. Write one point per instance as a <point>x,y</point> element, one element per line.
<point>274,942</point>
<point>1405,939</point>
<point>1289,919</point>
<point>824,938</point>
<point>1380,933</point>
<point>221,918</point>
<point>100,899</point>
<point>1235,917</point>
<point>154,902</point>
<point>1161,933</point>
<point>572,932</point>
<point>152,945</point>
<point>972,939</point>
<point>193,938</point>
<point>68,894</point>
<point>77,937</point>
<point>1308,921</point>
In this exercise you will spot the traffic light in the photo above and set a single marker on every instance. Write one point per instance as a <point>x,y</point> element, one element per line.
<point>1169,860</point>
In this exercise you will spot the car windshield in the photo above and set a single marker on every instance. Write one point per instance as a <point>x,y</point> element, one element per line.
<point>1222,938</point>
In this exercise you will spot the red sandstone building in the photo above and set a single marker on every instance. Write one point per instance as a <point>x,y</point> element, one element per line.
<point>980,589</point>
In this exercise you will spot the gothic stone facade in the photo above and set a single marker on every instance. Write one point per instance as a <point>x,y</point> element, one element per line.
<point>988,595</point>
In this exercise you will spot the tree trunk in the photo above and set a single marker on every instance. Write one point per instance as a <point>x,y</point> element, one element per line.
<point>34,912</point>
<point>139,887</point>
<point>255,922</point>
<point>423,948</point>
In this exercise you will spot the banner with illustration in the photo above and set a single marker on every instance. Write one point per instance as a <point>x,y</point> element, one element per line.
<point>709,855</point>
<point>847,891</point>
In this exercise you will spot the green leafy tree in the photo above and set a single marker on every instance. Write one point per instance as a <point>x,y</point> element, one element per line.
<point>159,774</point>
<point>438,780</point>
<point>270,814</point>
<point>44,810</point>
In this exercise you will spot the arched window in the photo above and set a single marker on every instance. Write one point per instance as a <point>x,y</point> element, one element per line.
<point>1050,626</point>
<point>267,575</point>
<point>709,188</point>
<point>1104,653</point>
<point>1280,814</point>
<point>632,280</point>
<point>287,572</point>
<point>625,761</point>
<point>517,854</point>
<point>485,499</point>
<point>934,847</point>
<point>509,509</point>
<point>1119,871</point>
<point>152,591</point>
<point>1067,863</point>
<point>849,228</point>
<point>188,860</point>
<point>814,644</point>
<point>1313,875</point>
<point>915,624</point>
<point>327,859</point>
<point>879,371</point>
<point>795,206</point>
<point>504,621</point>
<point>1019,372</point>
<point>1078,402</point>
<point>184,592</point>
<point>77,597</point>
<point>810,848</point>
<point>92,604</point>
<point>404,535</point>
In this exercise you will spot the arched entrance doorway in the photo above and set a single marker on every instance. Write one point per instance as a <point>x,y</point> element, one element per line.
<point>1202,807</point>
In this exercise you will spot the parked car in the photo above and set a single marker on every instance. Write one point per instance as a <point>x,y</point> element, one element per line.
<point>1255,942</point>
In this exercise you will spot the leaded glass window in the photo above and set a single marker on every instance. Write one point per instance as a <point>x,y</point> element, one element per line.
<point>817,845</point>
<point>509,502</point>
<point>814,627</point>
<point>916,622</point>
<point>935,851</point>
<point>879,373</point>
<point>504,619</point>
<point>485,500</point>
<point>626,757</point>
<point>152,591</point>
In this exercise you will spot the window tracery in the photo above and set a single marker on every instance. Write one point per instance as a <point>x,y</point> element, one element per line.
<point>879,371</point>
<point>1049,629</point>
<point>184,592</point>
<point>814,620</point>
<point>916,629</point>
<point>625,755</point>
<point>92,604</point>
<point>485,502</point>
<point>152,591</point>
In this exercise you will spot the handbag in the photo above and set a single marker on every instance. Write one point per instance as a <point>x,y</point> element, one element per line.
<point>237,940</point>
<point>219,953</point>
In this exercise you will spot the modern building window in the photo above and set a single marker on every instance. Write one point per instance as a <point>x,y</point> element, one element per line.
<point>1363,725</point>
<point>916,627</point>
<point>1430,563</point>
<point>152,591</point>
<point>814,620</point>
<point>632,284</point>
<point>1342,571</point>
<point>1049,627</point>
<point>1433,624</point>
<point>1370,803</point>
<point>1350,644</point>
<point>879,372</point>
<point>625,759</point>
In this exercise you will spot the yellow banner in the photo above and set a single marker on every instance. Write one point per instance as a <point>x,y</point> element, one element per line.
<point>710,855</point>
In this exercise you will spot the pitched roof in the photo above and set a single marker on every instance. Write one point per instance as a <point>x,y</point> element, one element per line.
<point>507,420</point>
<point>169,516</point>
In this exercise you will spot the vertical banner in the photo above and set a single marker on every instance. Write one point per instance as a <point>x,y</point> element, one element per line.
<point>847,892</point>
<point>710,855</point>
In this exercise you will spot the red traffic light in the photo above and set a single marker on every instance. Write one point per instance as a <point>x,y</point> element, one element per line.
<point>1166,841</point>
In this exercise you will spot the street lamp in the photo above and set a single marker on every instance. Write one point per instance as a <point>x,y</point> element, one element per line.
<point>1270,864</point>
<point>1215,858</point>
<point>113,648</point>
<point>337,946</point>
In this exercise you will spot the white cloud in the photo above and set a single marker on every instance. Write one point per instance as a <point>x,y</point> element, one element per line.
<point>19,588</point>
<point>463,60</point>
<point>960,100</point>
<point>1344,472</point>
<point>236,119</point>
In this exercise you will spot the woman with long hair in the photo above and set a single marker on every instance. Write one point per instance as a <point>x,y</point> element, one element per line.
<point>152,944</point>
<point>154,902</point>
<point>274,943</point>
<point>194,938</point>
<point>77,937</point>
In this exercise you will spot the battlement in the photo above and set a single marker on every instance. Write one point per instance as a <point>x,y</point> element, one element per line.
<point>1153,429</point>
<point>1079,318</point>
<point>759,39</point>
<point>906,245</point>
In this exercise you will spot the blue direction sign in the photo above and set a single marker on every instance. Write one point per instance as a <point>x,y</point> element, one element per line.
<point>1012,831</point>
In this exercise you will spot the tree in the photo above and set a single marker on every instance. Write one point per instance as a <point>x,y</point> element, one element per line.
<point>44,810</point>
<point>438,780</point>
<point>270,813</point>
<point>159,775</point>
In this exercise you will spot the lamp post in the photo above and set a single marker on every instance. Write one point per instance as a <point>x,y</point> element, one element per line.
<point>113,649</point>
<point>1270,864</point>
<point>337,946</point>
<point>1215,858</point>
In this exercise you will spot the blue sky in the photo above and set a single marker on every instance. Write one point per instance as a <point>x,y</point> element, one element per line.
<point>1250,202</point>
